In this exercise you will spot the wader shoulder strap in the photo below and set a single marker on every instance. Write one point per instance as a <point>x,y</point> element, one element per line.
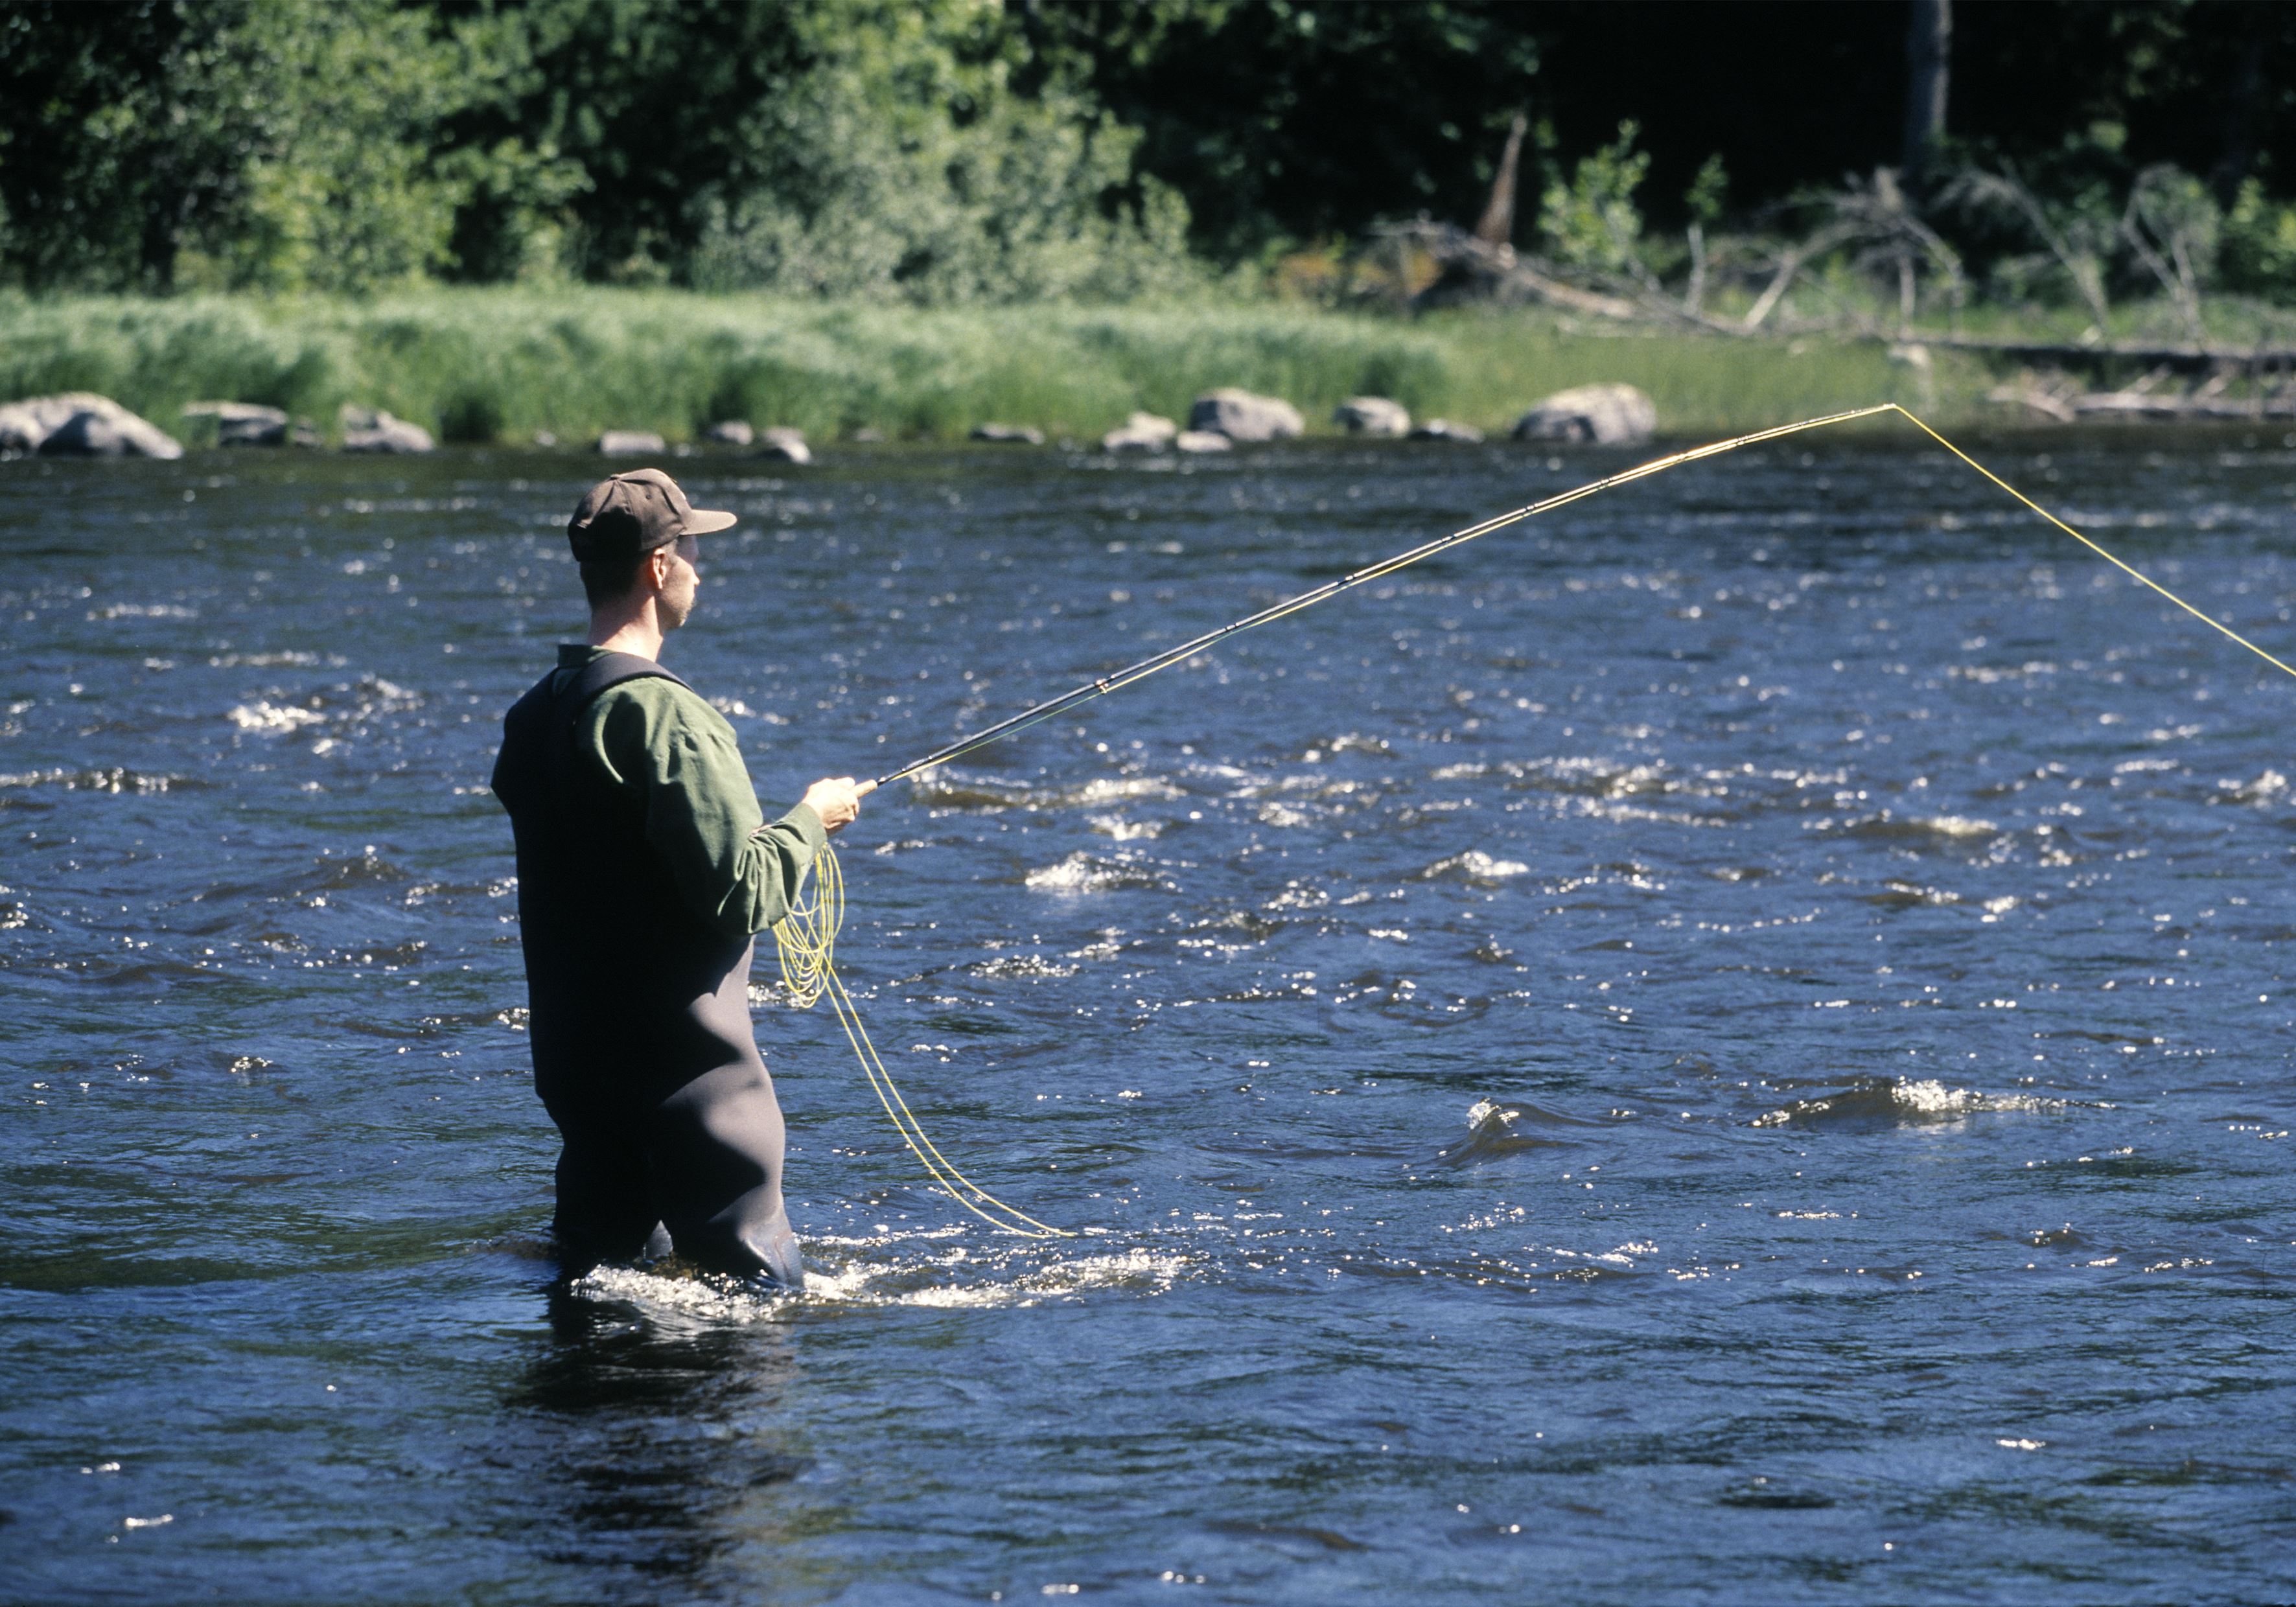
<point>535,769</point>
<point>598,675</point>
<point>584,688</point>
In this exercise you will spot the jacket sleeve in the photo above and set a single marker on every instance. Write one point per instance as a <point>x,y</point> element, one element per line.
<point>735,871</point>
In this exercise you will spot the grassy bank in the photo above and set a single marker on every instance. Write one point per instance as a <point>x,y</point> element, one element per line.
<point>481,365</point>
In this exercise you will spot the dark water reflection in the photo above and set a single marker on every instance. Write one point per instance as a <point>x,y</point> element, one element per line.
<point>1731,1046</point>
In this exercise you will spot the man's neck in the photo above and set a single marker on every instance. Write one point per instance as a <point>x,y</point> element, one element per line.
<point>621,630</point>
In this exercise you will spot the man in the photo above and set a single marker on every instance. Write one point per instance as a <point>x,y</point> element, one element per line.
<point>645,865</point>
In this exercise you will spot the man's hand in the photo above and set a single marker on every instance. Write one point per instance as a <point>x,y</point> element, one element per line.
<point>837,799</point>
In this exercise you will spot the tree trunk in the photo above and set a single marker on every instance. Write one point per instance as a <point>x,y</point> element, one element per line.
<point>1929,49</point>
<point>2240,109</point>
<point>1497,228</point>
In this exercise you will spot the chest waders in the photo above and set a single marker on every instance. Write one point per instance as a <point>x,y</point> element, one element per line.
<point>639,1014</point>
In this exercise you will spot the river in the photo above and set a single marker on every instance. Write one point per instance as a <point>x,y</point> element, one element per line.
<point>1731,1042</point>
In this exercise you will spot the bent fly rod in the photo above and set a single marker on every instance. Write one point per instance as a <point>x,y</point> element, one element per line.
<point>1101,686</point>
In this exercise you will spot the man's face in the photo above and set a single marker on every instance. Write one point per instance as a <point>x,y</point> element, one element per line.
<point>674,599</point>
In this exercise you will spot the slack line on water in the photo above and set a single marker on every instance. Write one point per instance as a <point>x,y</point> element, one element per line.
<point>807,936</point>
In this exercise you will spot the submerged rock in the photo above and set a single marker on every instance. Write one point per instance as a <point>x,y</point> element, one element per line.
<point>1372,415</point>
<point>1601,415</point>
<point>80,423</point>
<point>1242,416</point>
<point>1009,435</point>
<point>371,429</point>
<point>1142,433</point>
<point>630,443</point>
<point>1444,429</point>
<point>1202,441</point>
<point>730,433</point>
<point>785,445</point>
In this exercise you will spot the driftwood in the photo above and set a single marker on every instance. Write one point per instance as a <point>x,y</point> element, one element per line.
<point>1470,268</point>
<point>2058,399</point>
<point>2073,354</point>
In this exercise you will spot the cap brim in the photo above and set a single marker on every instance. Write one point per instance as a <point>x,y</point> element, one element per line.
<point>703,521</point>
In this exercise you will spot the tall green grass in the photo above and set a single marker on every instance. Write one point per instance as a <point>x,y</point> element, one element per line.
<point>489,365</point>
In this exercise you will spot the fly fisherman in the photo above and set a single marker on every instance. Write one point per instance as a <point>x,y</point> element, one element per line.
<point>645,865</point>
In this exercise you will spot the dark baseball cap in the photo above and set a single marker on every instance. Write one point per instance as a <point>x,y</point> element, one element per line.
<point>629,514</point>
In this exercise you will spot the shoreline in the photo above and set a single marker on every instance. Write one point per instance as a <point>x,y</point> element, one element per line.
<point>502,365</point>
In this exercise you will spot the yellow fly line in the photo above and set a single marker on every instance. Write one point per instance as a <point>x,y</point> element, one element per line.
<point>807,937</point>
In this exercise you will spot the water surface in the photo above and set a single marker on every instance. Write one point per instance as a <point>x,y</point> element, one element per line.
<point>1729,1044</point>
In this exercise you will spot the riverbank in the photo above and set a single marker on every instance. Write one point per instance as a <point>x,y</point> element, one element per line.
<point>480,365</point>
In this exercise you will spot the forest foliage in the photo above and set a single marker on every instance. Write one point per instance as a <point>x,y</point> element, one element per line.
<point>964,152</point>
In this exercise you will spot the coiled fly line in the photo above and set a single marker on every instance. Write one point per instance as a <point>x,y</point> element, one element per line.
<point>807,937</point>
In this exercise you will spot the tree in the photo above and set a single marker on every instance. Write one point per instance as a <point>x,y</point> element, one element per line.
<point>1929,53</point>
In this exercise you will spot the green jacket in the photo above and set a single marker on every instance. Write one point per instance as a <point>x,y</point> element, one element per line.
<point>665,748</point>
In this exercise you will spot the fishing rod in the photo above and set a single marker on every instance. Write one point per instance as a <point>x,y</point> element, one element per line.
<point>1101,685</point>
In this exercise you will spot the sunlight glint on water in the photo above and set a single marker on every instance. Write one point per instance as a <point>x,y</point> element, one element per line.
<point>1731,1045</point>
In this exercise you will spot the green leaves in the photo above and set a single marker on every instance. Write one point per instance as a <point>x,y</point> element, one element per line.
<point>1591,221</point>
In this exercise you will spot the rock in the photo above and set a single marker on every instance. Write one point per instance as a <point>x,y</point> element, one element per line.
<point>247,426</point>
<point>118,434</point>
<point>1202,440</point>
<point>1604,415</point>
<point>80,423</point>
<point>785,445</point>
<point>1242,416</point>
<point>730,433</point>
<point>1444,429</point>
<point>631,443</point>
<point>1142,433</point>
<point>1009,435</point>
<point>543,438</point>
<point>867,435</point>
<point>242,424</point>
<point>1372,415</point>
<point>371,429</point>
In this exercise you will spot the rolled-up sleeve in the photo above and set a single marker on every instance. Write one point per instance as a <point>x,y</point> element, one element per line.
<point>736,871</point>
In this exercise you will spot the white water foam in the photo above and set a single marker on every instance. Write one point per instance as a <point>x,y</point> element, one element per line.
<point>1082,872</point>
<point>1474,866</point>
<point>1958,825</point>
<point>274,717</point>
<point>1926,1100</point>
<point>950,1279</point>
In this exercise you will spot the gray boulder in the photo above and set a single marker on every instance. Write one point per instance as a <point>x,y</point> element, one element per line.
<point>1142,433</point>
<point>631,443</point>
<point>80,423</point>
<point>730,433</point>
<point>1601,415</point>
<point>244,424</point>
<point>1009,435</point>
<point>785,445</point>
<point>371,429</point>
<point>1372,416</point>
<point>1242,416</point>
<point>1202,440</point>
<point>1444,429</point>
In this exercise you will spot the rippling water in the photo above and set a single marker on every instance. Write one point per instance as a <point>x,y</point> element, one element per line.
<point>1731,1044</point>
